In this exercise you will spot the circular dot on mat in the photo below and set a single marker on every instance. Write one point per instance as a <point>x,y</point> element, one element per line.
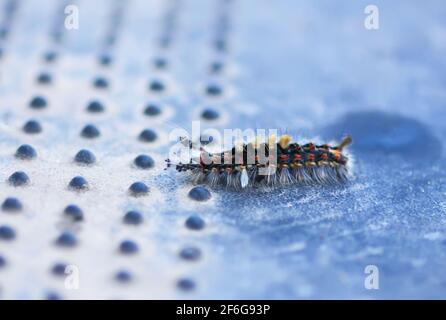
<point>18,178</point>
<point>160,63</point>
<point>152,110</point>
<point>7,233</point>
<point>2,261</point>
<point>50,56</point>
<point>44,78</point>
<point>210,114</point>
<point>133,217</point>
<point>25,152</point>
<point>213,90</point>
<point>12,205</point>
<point>74,212</point>
<point>105,60</point>
<point>90,131</point>
<point>85,157</point>
<point>4,32</point>
<point>53,296</point>
<point>144,161</point>
<point>78,183</point>
<point>32,127</point>
<point>100,83</point>
<point>95,107</point>
<point>66,239</point>
<point>220,45</point>
<point>58,269</point>
<point>156,86</point>
<point>195,222</point>
<point>199,193</point>
<point>57,36</point>
<point>138,189</point>
<point>110,39</point>
<point>128,247</point>
<point>164,42</point>
<point>190,253</point>
<point>216,67</point>
<point>186,284</point>
<point>123,276</point>
<point>38,102</point>
<point>147,135</point>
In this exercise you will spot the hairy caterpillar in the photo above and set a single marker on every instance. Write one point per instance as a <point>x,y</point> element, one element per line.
<point>269,164</point>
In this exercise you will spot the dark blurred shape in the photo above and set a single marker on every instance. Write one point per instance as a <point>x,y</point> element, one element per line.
<point>379,133</point>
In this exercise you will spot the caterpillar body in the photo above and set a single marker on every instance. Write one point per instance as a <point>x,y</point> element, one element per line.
<point>279,163</point>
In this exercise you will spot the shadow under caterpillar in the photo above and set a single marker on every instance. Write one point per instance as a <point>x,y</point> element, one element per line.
<point>268,164</point>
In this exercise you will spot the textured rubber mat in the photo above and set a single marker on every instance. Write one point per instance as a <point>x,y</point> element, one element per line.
<point>91,90</point>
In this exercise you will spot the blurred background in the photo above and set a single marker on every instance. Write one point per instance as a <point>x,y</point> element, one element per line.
<point>115,77</point>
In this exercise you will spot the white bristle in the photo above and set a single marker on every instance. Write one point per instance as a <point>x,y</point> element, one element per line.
<point>275,177</point>
<point>244,179</point>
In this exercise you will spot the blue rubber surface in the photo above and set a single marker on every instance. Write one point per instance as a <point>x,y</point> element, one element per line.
<point>307,68</point>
